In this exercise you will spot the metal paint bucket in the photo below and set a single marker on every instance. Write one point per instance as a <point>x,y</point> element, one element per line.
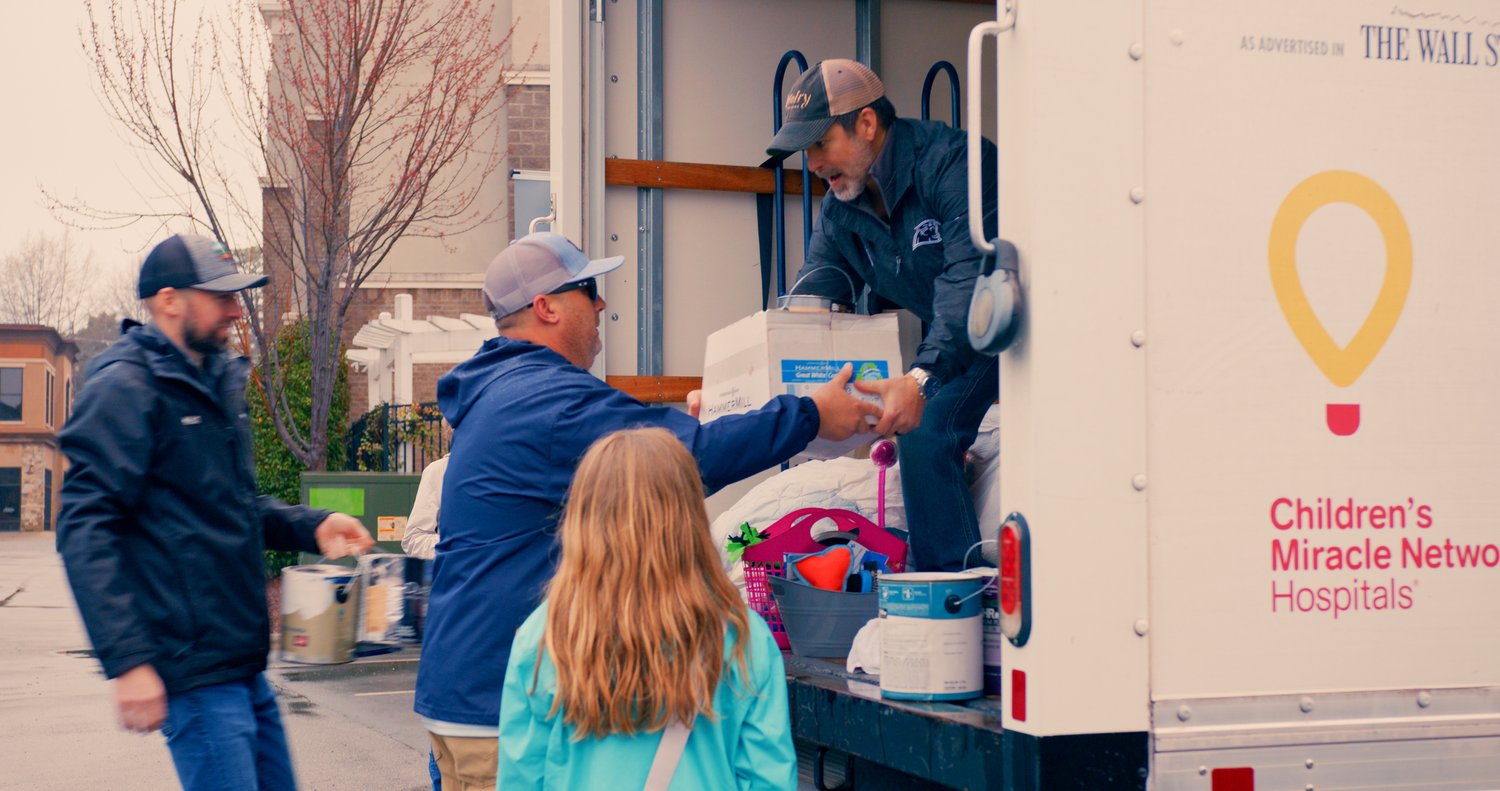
<point>931,636</point>
<point>318,607</point>
<point>993,637</point>
<point>382,599</point>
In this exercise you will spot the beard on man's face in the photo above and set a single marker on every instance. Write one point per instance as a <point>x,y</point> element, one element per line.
<point>205,343</point>
<point>851,182</point>
<point>210,342</point>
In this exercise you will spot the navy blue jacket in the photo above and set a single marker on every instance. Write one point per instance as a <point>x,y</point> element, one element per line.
<point>162,529</point>
<point>522,417</point>
<point>920,259</point>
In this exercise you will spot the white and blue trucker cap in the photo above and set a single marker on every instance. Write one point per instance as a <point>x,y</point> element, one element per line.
<point>537,263</point>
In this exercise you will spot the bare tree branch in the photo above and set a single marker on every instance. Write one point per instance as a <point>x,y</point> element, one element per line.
<point>44,282</point>
<point>374,120</point>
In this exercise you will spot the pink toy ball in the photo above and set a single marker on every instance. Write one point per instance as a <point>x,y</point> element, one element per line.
<point>883,453</point>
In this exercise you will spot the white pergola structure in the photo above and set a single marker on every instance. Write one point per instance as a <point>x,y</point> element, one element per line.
<point>387,348</point>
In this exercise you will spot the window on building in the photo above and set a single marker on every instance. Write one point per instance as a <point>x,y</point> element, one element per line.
<point>10,393</point>
<point>47,500</point>
<point>10,498</point>
<point>51,391</point>
<point>67,399</point>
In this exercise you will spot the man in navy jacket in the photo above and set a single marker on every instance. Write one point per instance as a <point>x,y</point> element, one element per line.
<point>896,220</point>
<point>162,531</point>
<point>524,409</point>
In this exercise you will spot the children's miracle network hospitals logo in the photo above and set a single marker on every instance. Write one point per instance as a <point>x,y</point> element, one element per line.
<point>1343,365</point>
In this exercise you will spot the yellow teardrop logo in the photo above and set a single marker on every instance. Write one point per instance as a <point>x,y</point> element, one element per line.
<point>1344,365</point>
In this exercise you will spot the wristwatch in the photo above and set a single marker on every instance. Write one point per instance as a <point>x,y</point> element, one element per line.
<point>927,383</point>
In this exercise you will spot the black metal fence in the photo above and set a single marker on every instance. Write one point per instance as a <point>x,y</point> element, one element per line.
<point>398,438</point>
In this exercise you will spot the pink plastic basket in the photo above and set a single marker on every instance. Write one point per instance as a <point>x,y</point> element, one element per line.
<point>793,534</point>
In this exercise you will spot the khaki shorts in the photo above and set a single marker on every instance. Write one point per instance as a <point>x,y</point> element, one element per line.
<point>467,763</point>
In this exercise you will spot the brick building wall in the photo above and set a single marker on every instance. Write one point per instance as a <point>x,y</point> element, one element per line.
<point>530,112</point>
<point>529,118</point>
<point>530,122</point>
<point>369,303</point>
<point>424,378</point>
<point>29,452</point>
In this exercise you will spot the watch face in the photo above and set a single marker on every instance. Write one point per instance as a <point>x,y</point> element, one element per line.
<point>930,386</point>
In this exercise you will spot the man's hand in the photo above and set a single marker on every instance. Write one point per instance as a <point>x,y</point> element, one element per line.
<point>141,698</point>
<point>342,534</point>
<point>695,403</point>
<point>903,402</point>
<point>840,414</point>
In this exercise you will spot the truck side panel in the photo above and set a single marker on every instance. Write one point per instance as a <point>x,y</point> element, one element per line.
<point>1073,389</point>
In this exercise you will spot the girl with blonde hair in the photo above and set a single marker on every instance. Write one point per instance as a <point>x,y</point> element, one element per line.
<point>643,641</point>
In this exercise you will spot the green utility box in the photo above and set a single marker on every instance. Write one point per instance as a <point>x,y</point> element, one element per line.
<point>381,500</point>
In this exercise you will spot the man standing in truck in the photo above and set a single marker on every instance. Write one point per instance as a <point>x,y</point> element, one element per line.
<point>896,220</point>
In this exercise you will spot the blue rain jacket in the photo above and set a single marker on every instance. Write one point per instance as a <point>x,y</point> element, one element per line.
<point>522,417</point>
<point>748,746</point>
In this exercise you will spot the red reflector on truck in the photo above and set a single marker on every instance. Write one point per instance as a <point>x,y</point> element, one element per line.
<point>1018,696</point>
<point>1010,569</point>
<point>1239,778</point>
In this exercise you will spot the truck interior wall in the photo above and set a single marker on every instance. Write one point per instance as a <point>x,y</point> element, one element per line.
<point>719,60</point>
<point>720,57</point>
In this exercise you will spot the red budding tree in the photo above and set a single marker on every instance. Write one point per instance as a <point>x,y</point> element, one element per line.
<point>372,121</point>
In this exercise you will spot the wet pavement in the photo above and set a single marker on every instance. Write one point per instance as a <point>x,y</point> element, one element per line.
<point>350,726</point>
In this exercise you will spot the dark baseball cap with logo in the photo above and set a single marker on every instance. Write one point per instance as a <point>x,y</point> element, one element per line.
<point>190,261</point>
<point>824,92</point>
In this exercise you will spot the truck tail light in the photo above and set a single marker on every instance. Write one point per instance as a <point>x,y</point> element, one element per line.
<point>1015,579</point>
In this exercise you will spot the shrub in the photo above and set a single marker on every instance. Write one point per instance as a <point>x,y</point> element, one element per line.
<point>277,471</point>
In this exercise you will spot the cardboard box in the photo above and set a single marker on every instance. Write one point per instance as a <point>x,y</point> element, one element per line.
<point>775,352</point>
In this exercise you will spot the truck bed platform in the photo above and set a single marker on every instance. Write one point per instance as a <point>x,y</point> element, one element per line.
<point>952,744</point>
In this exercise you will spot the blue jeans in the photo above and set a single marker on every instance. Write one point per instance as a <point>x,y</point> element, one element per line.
<point>228,737</point>
<point>939,514</point>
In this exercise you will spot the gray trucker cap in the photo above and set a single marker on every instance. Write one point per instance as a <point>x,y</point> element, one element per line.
<point>535,264</point>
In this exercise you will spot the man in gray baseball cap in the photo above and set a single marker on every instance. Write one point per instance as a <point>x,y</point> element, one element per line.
<point>524,409</point>
<point>524,288</point>
<point>896,220</point>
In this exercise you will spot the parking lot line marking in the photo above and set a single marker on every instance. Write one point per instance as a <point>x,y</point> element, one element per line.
<point>391,692</point>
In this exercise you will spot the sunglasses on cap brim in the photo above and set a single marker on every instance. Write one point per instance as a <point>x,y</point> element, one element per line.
<point>587,284</point>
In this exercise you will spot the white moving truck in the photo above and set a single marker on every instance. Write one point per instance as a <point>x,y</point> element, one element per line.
<point>1250,417</point>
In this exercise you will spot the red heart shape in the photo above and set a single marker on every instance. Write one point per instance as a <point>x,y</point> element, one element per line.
<point>826,571</point>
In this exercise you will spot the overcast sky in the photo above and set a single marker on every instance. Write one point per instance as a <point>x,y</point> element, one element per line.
<point>56,134</point>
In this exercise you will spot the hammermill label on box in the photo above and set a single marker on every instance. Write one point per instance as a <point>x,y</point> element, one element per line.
<point>781,352</point>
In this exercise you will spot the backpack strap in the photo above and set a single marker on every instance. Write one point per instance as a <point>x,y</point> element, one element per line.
<point>668,754</point>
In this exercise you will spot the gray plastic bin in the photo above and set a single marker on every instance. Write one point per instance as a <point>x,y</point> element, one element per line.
<point>822,623</point>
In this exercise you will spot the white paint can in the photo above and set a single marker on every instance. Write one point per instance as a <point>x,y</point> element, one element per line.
<point>931,636</point>
<point>318,608</point>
